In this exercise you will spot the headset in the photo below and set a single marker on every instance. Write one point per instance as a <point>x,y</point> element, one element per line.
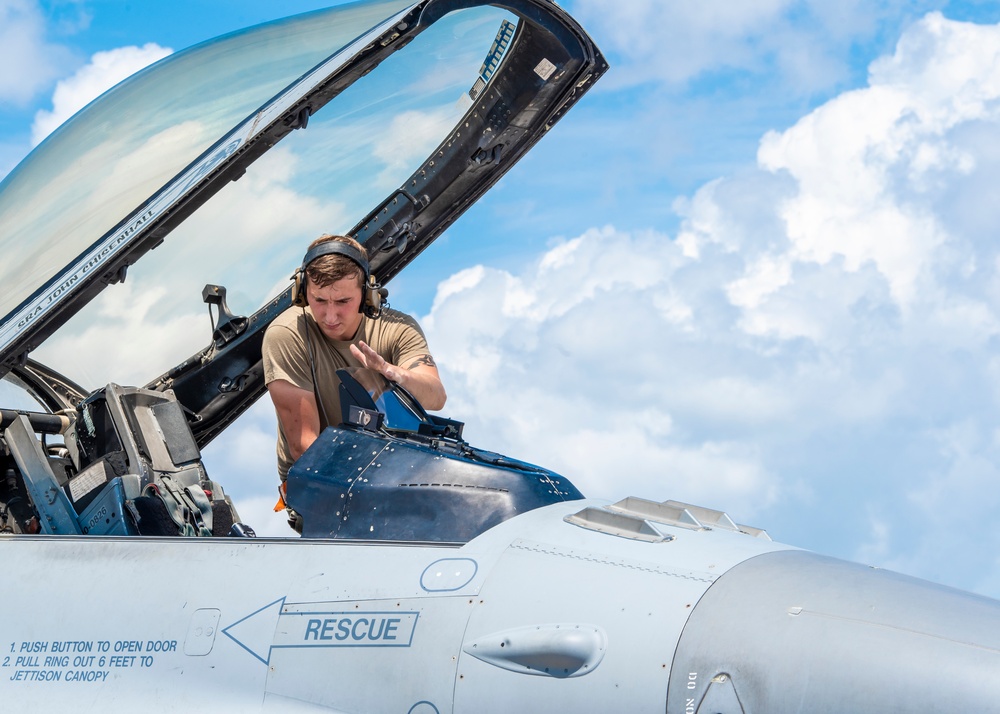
<point>373,296</point>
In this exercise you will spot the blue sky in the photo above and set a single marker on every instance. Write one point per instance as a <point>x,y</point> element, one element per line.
<point>756,268</point>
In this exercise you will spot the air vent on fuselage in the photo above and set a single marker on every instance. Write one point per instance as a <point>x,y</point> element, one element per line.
<point>637,518</point>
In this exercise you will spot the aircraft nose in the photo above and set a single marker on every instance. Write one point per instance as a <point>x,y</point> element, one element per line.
<point>793,631</point>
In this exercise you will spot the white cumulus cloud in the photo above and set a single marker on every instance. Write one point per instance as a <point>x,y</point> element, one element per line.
<point>814,345</point>
<point>105,70</point>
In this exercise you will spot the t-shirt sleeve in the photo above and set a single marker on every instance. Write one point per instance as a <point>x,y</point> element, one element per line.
<point>284,357</point>
<point>408,343</point>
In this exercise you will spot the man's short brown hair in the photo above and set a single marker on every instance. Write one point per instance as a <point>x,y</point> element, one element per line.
<point>328,269</point>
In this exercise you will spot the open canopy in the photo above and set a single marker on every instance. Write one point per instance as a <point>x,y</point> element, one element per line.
<point>451,94</point>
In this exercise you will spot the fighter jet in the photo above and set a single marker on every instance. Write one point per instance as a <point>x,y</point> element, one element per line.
<point>433,576</point>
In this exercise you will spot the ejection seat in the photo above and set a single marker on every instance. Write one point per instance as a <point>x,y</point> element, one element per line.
<point>134,469</point>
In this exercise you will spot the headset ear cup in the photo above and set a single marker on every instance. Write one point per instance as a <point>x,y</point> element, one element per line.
<point>366,303</point>
<point>299,289</point>
<point>374,298</point>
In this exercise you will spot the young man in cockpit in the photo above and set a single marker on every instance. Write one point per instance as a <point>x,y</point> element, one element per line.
<point>337,322</point>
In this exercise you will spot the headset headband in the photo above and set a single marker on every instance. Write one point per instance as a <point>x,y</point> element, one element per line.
<point>336,247</point>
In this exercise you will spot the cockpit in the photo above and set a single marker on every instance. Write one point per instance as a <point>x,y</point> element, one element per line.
<point>126,463</point>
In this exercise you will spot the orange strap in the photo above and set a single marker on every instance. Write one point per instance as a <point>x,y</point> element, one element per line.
<point>280,505</point>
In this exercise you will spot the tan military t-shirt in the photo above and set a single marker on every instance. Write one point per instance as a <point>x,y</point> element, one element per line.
<point>395,336</point>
